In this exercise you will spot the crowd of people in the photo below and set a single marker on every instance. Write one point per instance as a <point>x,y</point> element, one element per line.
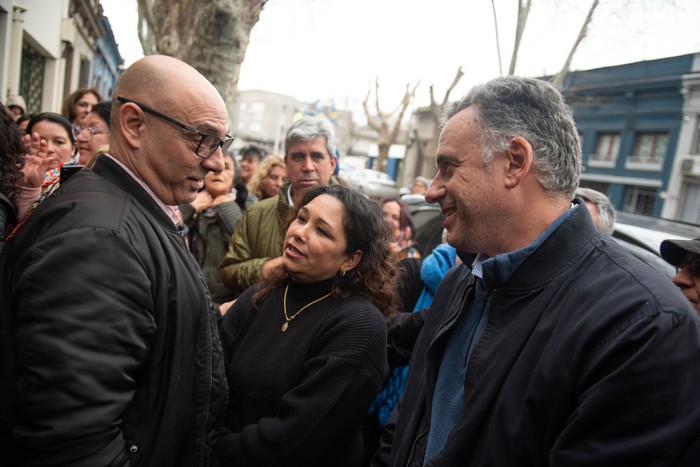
<point>166,299</point>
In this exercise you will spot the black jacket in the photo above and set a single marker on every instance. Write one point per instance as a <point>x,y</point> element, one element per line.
<point>106,320</point>
<point>8,217</point>
<point>589,357</point>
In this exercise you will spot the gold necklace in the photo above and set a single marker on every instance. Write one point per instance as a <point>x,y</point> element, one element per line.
<point>284,307</point>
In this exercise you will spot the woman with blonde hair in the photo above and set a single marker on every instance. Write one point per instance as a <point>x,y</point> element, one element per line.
<point>268,178</point>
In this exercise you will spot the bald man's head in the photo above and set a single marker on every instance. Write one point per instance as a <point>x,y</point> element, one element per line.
<point>165,126</point>
<point>160,78</point>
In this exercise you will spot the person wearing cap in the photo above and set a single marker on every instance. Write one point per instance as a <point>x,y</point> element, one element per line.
<point>16,105</point>
<point>685,256</point>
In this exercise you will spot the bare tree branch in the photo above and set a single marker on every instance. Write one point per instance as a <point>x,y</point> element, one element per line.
<point>498,43</point>
<point>559,78</point>
<point>523,13</point>
<point>365,106</point>
<point>458,76</point>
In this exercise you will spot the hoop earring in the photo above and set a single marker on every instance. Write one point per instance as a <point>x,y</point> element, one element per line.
<point>342,273</point>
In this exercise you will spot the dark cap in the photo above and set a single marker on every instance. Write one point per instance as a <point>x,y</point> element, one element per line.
<point>673,251</point>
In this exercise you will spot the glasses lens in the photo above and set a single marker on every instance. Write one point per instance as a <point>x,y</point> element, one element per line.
<point>227,144</point>
<point>76,130</point>
<point>207,146</point>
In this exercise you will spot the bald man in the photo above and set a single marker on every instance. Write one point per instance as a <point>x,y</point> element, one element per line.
<point>110,354</point>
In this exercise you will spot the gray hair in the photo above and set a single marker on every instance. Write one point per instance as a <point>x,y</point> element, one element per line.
<point>308,128</point>
<point>606,211</point>
<point>512,106</point>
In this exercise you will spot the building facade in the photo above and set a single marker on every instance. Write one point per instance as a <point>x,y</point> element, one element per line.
<point>47,50</point>
<point>630,119</point>
<point>682,198</point>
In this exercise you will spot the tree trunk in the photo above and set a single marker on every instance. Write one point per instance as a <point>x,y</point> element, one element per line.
<point>210,35</point>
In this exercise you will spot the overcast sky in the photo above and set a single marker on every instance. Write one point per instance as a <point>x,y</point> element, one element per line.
<point>333,49</point>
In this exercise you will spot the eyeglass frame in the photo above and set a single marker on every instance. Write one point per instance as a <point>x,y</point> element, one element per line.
<point>693,267</point>
<point>224,144</point>
<point>77,130</point>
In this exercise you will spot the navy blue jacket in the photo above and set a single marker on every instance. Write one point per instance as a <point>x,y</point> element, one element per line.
<point>589,358</point>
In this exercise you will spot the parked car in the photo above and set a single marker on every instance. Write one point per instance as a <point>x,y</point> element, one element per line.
<point>642,236</point>
<point>371,183</point>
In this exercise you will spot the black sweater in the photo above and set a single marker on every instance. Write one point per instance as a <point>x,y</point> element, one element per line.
<point>300,397</point>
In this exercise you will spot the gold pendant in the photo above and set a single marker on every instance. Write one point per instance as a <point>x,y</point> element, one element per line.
<point>285,326</point>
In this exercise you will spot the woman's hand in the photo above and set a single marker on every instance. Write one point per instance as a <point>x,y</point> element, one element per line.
<point>37,161</point>
<point>222,199</point>
<point>202,202</point>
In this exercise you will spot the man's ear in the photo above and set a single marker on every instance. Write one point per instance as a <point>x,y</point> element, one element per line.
<point>519,159</point>
<point>131,121</point>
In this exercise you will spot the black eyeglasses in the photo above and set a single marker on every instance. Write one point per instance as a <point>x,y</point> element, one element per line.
<point>208,144</point>
<point>693,267</point>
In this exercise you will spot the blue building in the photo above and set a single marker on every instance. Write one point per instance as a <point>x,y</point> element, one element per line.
<point>108,63</point>
<point>629,118</point>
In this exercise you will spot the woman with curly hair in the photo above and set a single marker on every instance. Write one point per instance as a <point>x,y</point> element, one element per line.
<point>268,178</point>
<point>306,349</point>
<point>12,150</point>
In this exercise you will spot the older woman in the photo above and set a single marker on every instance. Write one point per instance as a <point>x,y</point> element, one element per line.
<point>92,136</point>
<point>268,178</point>
<point>211,219</point>
<point>306,349</point>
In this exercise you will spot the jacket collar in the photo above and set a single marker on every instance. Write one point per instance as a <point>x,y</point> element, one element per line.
<point>105,167</point>
<point>568,243</point>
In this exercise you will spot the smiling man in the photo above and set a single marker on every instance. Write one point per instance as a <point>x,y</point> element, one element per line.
<point>255,246</point>
<point>554,346</point>
<point>110,354</point>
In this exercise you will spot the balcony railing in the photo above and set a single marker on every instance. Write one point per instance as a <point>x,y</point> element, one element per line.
<point>645,163</point>
<point>601,161</point>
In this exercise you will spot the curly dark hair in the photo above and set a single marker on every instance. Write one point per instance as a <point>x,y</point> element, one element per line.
<point>374,278</point>
<point>12,150</point>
